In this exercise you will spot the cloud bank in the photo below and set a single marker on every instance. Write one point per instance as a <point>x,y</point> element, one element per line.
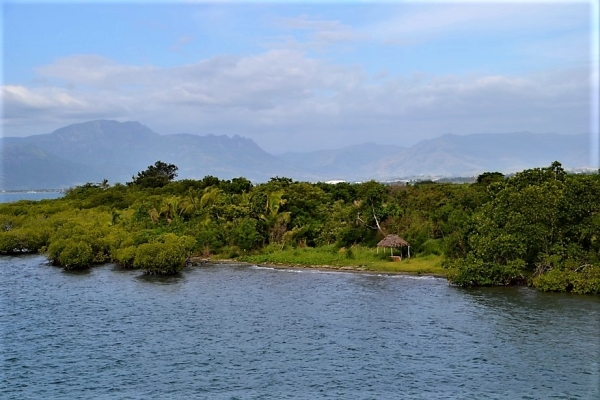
<point>285,99</point>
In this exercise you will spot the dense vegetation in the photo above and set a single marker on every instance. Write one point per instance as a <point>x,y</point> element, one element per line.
<point>538,227</point>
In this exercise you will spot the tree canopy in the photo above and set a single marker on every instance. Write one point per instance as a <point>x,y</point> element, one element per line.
<point>155,176</point>
<point>539,227</point>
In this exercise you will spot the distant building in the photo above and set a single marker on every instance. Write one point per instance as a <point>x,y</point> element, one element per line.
<point>397,183</point>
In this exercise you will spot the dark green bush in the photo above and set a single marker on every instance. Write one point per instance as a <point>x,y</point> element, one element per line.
<point>432,246</point>
<point>125,256</point>
<point>475,272</point>
<point>584,281</point>
<point>76,255</point>
<point>164,257</point>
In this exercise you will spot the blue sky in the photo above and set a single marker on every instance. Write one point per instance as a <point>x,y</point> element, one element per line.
<point>302,76</point>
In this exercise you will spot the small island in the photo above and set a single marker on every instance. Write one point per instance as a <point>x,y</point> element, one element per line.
<point>539,227</point>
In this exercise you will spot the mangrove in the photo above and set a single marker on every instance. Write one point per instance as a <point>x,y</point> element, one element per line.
<point>538,227</point>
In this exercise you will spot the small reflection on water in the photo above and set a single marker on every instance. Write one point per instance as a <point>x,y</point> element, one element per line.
<point>75,272</point>
<point>161,279</point>
<point>509,299</point>
<point>118,269</point>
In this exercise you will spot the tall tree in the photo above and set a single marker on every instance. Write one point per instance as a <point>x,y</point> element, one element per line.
<point>157,175</point>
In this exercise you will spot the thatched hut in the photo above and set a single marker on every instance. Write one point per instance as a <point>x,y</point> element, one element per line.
<point>394,241</point>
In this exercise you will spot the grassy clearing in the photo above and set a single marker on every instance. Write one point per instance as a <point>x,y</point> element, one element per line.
<point>356,257</point>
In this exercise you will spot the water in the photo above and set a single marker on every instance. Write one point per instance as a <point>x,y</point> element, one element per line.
<point>243,332</point>
<point>9,197</point>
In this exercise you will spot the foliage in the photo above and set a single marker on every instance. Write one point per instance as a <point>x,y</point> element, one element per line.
<point>539,220</point>
<point>487,178</point>
<point>76,255</point>
<point>25,240</point>
<point>476,272</point>
<point>540,226</point>
<point>125,256</point>
<point>155,176</point>
<point>165,256</point>
<point>560,280</point>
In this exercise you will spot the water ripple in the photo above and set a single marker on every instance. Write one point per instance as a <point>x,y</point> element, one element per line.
<point>241,332</point>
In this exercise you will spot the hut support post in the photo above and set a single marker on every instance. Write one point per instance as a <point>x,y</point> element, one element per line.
<point>408,251</point>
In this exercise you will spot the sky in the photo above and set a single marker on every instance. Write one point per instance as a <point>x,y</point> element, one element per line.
<point>301,77</point>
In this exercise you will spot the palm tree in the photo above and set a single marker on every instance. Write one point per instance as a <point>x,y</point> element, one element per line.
<point>211,196</point>
<point>276,221</point>
<point>169,208</point>
<point>189,205</point>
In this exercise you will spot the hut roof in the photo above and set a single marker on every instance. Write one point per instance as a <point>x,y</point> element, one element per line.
<point>392,241</point>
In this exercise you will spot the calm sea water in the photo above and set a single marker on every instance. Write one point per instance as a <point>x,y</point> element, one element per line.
<point>243,332</point>
<point>9,197</point>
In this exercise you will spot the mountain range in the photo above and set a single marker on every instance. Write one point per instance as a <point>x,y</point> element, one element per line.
<point>103,149</point>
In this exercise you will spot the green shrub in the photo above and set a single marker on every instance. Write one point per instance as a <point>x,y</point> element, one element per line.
<point>164,257</point>
<point>587,281</point>
<point>230,251</point>
<point>76,255</point>
<point>475,272</point>
<point>9,242</point>
<point>555,280</point>
<point>584,281</point>
<point>125,256</point>
<point>54,250</point>
<point>350,254</point>
<point>432,246</point>
<point>23,240</point>
<point>244,234</point>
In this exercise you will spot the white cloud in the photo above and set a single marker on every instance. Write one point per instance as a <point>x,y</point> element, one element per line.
<point>416,23</point>
<point>289,101</point>
<point>322,33</point>
<point>96,71</point>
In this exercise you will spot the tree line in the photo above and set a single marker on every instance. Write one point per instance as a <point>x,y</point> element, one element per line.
<point>539,227</point>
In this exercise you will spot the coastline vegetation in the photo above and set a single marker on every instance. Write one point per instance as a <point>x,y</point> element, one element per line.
<point>356,257</point>
<point>540,227</point>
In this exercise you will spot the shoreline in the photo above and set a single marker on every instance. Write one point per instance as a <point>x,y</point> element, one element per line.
<point>324,268</point>
<point>200,261</point>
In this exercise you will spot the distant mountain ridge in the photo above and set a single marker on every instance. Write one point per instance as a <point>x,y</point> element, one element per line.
<point>456,155</point>
<point>445,156</point>
<point>103,149</point>
<point>351,162</point>
<point>97,150</point>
